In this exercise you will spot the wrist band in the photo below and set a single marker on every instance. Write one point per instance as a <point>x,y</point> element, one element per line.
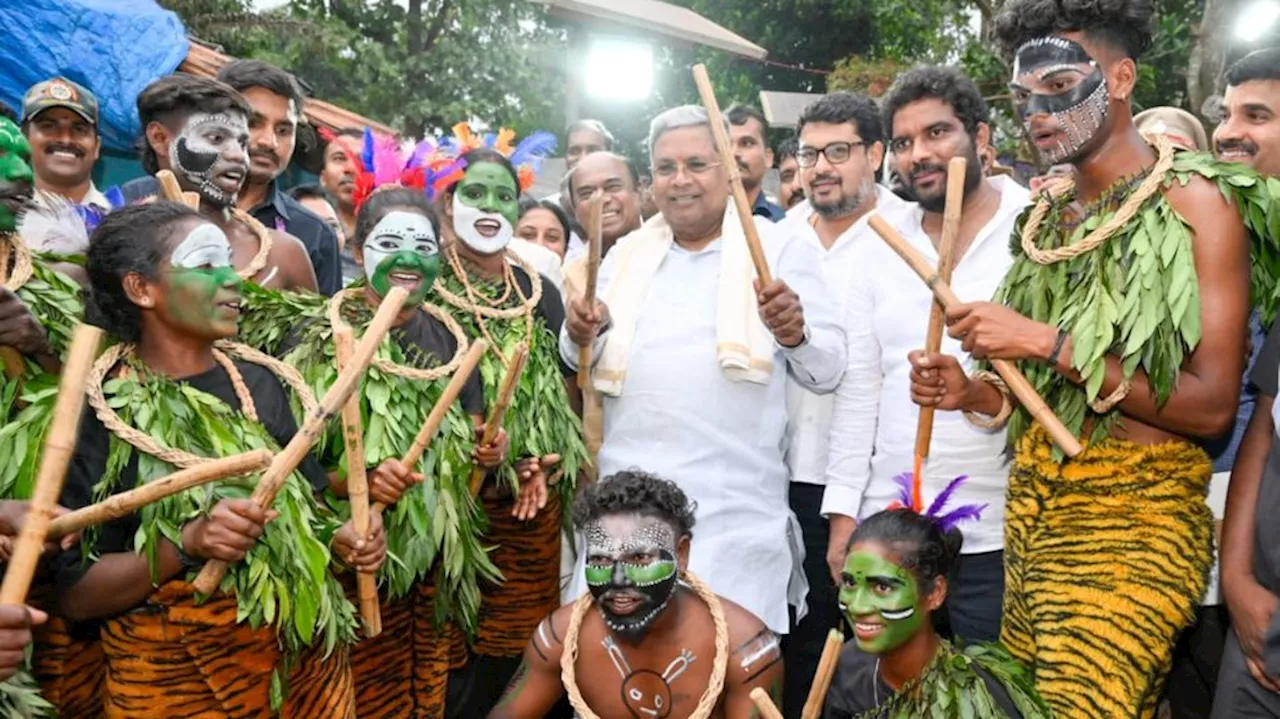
<point>1006,407</point>
<point>1057,347</point>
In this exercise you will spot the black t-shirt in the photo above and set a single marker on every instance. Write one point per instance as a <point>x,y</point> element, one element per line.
<point>550,308</point>
<point>858,688</point>
<point>89,462</point>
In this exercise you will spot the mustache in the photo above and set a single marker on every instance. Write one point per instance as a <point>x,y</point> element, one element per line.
<point>60,147</point>
<point>262,152</point>
<point>1243,145</point>
<point>825,177</point>
<point>922,168</point>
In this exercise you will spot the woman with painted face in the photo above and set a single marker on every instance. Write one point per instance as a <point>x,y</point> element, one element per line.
<point>494,295</point>
<point>401,672</point>
<point>895,578</point>
<point>168,395</point>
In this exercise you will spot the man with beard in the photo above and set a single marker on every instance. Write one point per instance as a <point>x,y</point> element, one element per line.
<point>749,134</point>
<point>199,129</point>
<point>1106,555</point>
<point>338,177</point>
<point>841,144</point>
<point>933,115</point>
<point>790,189</point>
<point>646,635</point>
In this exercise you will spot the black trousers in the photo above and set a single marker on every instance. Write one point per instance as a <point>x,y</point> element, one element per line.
<point>1197,658</point>
<point>804,643</point>
<point>975,598</point>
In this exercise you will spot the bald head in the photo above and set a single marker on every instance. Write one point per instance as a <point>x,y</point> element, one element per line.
<point>617,177</point>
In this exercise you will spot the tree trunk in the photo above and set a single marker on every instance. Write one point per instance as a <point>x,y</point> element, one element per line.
<point>1207,64</point>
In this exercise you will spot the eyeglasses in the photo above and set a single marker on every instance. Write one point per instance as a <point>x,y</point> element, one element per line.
<point>835,152</point>
<point>692,166</point>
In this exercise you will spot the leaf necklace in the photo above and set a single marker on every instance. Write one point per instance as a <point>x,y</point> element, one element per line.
<point>476,302</point>
<point>424,375</point>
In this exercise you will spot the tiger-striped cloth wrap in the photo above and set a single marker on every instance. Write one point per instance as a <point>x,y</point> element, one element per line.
<point>528,555</point>
<point>179,660</point>
<point>70,668</point>
<point>1106,557</point>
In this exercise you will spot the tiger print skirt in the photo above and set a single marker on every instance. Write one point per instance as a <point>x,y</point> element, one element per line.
<point>1106,558</point>
<point>177,660</point>
<point>528,555</point>
<point>70,669</point>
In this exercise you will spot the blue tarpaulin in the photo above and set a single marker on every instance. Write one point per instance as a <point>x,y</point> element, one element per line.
<point>113,47</point>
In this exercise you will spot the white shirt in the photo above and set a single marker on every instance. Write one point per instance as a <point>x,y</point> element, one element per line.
<point>873,426</point>
<point>809,413</point>
<point>678,416</point>
<point>545,261</point>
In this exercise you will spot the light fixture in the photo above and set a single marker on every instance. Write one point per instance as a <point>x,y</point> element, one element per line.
<point>619,70</point>
<point>1256,19</point>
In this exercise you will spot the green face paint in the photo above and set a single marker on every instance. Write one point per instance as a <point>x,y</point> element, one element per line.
<point>401,251</point>
<point>406,263</point>
<point>881,600</point>
<point>488,186</point>
<point>203,292</point>
<point>15,173</point>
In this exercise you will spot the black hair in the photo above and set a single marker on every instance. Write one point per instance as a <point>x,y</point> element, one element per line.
<point>244,74</point>
<point>1125,25</point>
<point>382,202</point>
<point>838,108</point>
<point>6,111</point>
<point>179,96</point>
<point>940,82</point>
<point>738,114</point>
<point>482,155</point>
<point>129,240</point>
<point>567,183</point>
<point>632,491</point>
<point>528,203</point>
<point>352,132</point>
<point>311,192</point>
<point>787,149</point>
<point>594,126</point>
<point>1257,65</point>
<point>920,544</point>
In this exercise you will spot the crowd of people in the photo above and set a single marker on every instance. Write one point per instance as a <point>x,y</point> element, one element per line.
<point>657,496</point>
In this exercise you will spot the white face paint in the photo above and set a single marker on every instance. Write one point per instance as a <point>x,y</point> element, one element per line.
<point>205,247</point>
<point>398,232</point>
<point>204,153</point>
<point>465,218</point>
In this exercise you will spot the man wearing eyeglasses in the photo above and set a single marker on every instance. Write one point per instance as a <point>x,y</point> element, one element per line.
<point>932,114</point>
<point>691,355</point>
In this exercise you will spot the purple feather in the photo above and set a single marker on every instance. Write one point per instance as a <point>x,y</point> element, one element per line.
<point>940,502</point>
<point>965,513</point>
<point>904,486</point>
<point>535,147</point>
<point>366,150</point>
<point>420,154</point>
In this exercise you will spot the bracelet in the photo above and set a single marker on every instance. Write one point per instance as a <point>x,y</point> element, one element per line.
<point>1057,347</point>
<point>1102,406</point>
<point>1006,408</point>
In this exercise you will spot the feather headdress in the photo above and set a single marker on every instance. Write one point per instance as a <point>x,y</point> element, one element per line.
<point>527,156</point>
<point>58,225</point>
<point>385,162</point>
<point>910,497</point>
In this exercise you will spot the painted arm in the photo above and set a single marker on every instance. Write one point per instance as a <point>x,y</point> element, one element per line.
<point>756,662</point>
<point>536,686</point>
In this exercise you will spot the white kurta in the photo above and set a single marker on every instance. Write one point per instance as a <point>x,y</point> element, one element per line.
<point>678,417</point>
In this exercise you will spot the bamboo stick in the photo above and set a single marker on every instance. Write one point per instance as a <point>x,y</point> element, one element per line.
<point>126,503</point>
<point>763,702</point>
<point>595,232</point>
<point>515,367</point>
<point>357,482</point>
<point>946,261</point>
<point>1018,384</point>
<point>169,188</point>
<point>59,444</point>
<point>289,458</point>
<point>826,672</point>
<point>441,409</point>
<point>739,194</point>
<point>14,365</point>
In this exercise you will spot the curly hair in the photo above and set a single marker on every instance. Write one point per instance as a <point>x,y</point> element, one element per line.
<point>178,96</point>
<point>129,240</point>
<point>633,491</point>
<point>940,82</point>
<point>1125,25</point>
<point>919,543</point>
<point>838,108</point>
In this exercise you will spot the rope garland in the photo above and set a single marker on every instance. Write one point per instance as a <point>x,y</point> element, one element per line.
<point>259,260</point>
<point>715,686</point>
<point>12,245</point>
<point>1149,186</point>
<point>399,370</point>
<point>476,303</point>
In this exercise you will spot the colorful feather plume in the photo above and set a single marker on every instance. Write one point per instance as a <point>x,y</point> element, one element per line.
<point>448,166</point>
<point>909,497</point>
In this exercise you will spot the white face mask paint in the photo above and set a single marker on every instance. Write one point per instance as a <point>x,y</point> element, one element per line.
<point>205,247</point>
<point>398,232</point>
<point>465,218</point>
<point>197,152</point>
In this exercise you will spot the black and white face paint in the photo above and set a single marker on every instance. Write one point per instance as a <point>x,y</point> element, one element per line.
<point>631,570</point>
<point>205,247</point>
<point>209,153</point>
<point>1060,92</point>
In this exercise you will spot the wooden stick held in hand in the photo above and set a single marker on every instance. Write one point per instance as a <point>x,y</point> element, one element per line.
<point>357,482</point>
<point>765,704</point>
<point>739,194</point>
<point>822,680</point>
<point>595,237</point>
<point>1018,383</point>
<point>946,261</point>
<point>289,458</point>
<point>59,444</point>
<point>14,365</point>
<point>515,367</point>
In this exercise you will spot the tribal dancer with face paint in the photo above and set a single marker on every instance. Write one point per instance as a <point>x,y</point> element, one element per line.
<point>1129,279</point>
<point>649,640</point>
<point>402,673</point>
<point>494,295</point>
<point>169,395</point>
<point>897,667</point>
<point>199,129</point>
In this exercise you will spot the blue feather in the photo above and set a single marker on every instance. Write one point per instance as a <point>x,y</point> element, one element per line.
<point>115,197</point>
<point>367,149</point>
<point>490,139</point>
<point>534,147</point>
<point>940,502</point>
<point>948,521</point>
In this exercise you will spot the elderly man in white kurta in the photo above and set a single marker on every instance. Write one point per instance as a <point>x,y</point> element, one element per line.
<point>691,355</point>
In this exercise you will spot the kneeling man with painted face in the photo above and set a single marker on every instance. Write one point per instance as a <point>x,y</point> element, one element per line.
<point>649,639</point>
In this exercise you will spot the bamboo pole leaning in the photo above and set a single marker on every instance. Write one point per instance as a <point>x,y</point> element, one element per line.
<point>357,482</point>
<point>946,263</point>
<point>313,427</point>
<point>595,237</point>
<point>1018,383</point>
<point>511,380</point>
<point>737,192</point>
<point>126,503</point>
<point>768,710</point>
<point>822,679</point>
<point>59,444</point>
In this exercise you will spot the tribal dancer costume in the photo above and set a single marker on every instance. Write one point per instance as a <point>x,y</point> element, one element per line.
<point>1106,556</point>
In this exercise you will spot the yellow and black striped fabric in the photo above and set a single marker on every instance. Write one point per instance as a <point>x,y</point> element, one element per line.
<point>70,669</point>
<point>1106,557</point>
<point>179,660</point>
